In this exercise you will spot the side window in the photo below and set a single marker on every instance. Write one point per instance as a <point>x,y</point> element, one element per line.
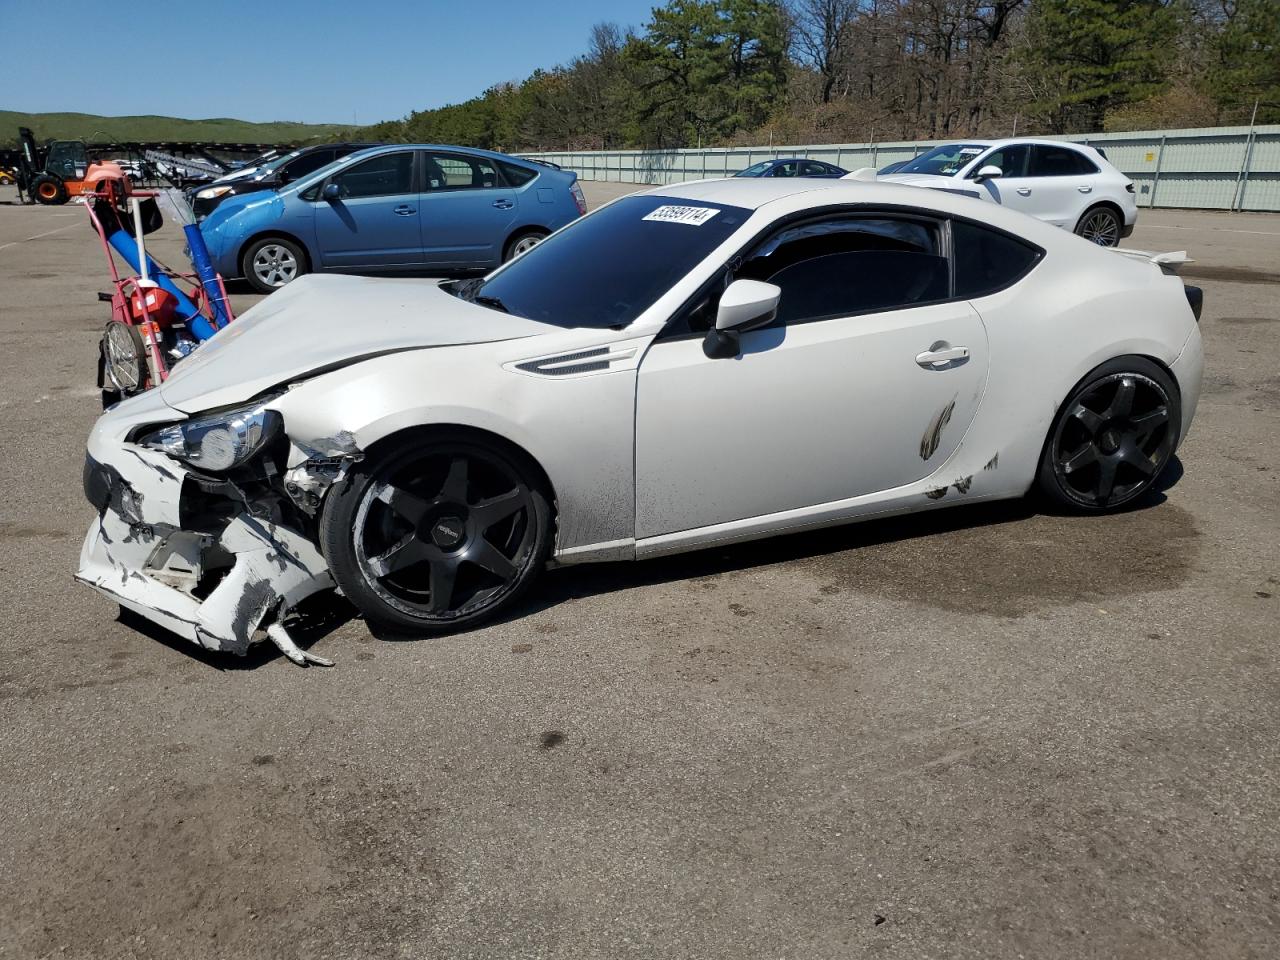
<point>850,265</point>
<point>516,175</point>
<point>789,169</point>
<point>1012,161</point>
<point>451,171</point>
<point>986,260</point>
<point>1047,161</point>
<point>304,165</point>
<point>814,169</point>
<point>382,176</point>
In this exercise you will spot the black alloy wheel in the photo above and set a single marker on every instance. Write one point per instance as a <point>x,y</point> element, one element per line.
<point>437,536</point>
<point>1113,438</point>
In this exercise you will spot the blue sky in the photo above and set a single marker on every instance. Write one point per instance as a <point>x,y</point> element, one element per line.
<point>282,59</point>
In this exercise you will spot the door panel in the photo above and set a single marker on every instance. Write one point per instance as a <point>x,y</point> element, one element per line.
<point>467,211</point>
<point>808,414</point>
<point>374,224</point>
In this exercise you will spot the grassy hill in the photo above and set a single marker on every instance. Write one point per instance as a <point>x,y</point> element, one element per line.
<point>87,126</point>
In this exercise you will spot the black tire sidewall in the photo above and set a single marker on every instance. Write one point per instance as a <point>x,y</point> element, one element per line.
<point>246,262</point>
<point>1047,481</point>
<point>337,533</point>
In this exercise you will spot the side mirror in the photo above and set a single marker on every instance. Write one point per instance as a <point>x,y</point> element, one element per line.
<point>744,305</point>
<point>989,172</point>
<point>331,192</point>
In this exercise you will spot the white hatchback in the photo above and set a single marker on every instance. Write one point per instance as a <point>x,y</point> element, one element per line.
<point>1067,184</point>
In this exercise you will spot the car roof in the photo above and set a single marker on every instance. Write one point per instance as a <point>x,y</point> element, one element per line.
<point>447,147</point>
<point>1007,141</point>
<point>796,195</point>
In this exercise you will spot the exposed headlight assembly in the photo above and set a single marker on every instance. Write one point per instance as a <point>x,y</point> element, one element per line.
<point>212,193</point>
<point>221,441</point>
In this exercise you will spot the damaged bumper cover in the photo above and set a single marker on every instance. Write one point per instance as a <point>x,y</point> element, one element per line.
<point>214,584</point>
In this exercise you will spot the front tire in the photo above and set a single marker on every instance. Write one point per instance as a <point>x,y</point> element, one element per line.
<point>438,534</point>
<point>49,190</point>
<point>1101,225</point>
<point>1113,438</point>
<point>272,262</point>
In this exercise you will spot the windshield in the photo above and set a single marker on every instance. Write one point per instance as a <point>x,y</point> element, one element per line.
<point>274,164</point>
<point>945,161</point>
<point>755,170</point>
<point>608,268</point>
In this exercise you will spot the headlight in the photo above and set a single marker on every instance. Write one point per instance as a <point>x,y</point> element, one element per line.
<point>221,441</point>
<point>212,193</point>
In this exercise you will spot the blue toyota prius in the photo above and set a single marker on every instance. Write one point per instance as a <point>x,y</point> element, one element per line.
<point>408,208</point>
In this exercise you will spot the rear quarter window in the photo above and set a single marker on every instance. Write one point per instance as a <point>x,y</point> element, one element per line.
<point>986,260</point>
<point>517,175</point>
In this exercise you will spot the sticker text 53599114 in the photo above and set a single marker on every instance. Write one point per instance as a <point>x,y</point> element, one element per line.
<point>690,216</point>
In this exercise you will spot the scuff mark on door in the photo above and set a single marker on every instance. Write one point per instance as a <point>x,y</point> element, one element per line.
<point>933,433</point>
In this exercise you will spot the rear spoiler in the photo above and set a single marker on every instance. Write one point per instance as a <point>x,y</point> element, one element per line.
<point>1169,263</point>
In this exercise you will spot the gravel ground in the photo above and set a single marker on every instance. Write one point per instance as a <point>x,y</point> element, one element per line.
<point>984,733</point>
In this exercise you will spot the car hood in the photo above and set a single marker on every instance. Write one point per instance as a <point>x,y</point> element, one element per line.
<point>965,188</point>
<point>920,180</point>
<point>321,322</point>
<point>236,202</point>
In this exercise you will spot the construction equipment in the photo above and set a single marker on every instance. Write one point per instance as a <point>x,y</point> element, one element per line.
<point>52,174</point>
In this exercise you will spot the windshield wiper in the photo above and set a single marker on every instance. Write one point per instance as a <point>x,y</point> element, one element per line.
<point>493,302</point>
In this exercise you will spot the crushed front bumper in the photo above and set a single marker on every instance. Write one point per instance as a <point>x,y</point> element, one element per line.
<point>216,586</point>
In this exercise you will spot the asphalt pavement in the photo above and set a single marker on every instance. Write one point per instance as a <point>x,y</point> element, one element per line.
<point>986,732</point>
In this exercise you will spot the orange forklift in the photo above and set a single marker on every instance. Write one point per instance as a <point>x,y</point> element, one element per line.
<point>52,174</point>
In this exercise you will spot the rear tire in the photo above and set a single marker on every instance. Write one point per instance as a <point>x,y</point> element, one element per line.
<point>272,262</point>
<point>1101,225</point>
<point>437,534</point>
<point>49,190</point>
<point>1112,438</point>
<point>522,242</point>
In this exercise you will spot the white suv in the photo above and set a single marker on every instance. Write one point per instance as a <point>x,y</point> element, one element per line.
<point>1067,184</point>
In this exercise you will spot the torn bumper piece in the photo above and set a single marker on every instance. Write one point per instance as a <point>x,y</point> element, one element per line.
<point>216,589</point>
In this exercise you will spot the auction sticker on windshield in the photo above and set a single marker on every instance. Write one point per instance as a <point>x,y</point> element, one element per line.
<point>692,216</point>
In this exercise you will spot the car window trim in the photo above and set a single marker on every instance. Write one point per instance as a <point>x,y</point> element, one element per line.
<point>500,181</point>
<point>946,241</point>
<point>1080,155</point>
<point>415,177</point>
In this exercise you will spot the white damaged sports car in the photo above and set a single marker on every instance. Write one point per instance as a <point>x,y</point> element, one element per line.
<point>693,365</point>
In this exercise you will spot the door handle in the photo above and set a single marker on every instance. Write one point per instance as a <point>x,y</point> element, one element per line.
<point>1024,191</point>
<point>1085,189</point>
<point>404,210</point>
<point>940,356</point>
<point>503,204</point>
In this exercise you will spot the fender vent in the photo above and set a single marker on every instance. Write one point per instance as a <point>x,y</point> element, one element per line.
<point>568,363</point>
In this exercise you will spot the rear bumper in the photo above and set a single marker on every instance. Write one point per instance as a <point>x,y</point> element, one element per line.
<point>1188,371</point>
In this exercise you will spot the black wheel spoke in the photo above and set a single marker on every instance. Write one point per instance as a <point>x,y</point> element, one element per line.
<point>1122,404</point>
<point>444,574</point>
<point>1081,458</point>
<point>1106,478</point>
<point>403,503</point>
<point>1148,423</point>
<point>490,511</point>
<point>488,557</point>
<point>1139,461</point>
<point>1087,418</point>
<point>455,484</point>
<point>404,553</point>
